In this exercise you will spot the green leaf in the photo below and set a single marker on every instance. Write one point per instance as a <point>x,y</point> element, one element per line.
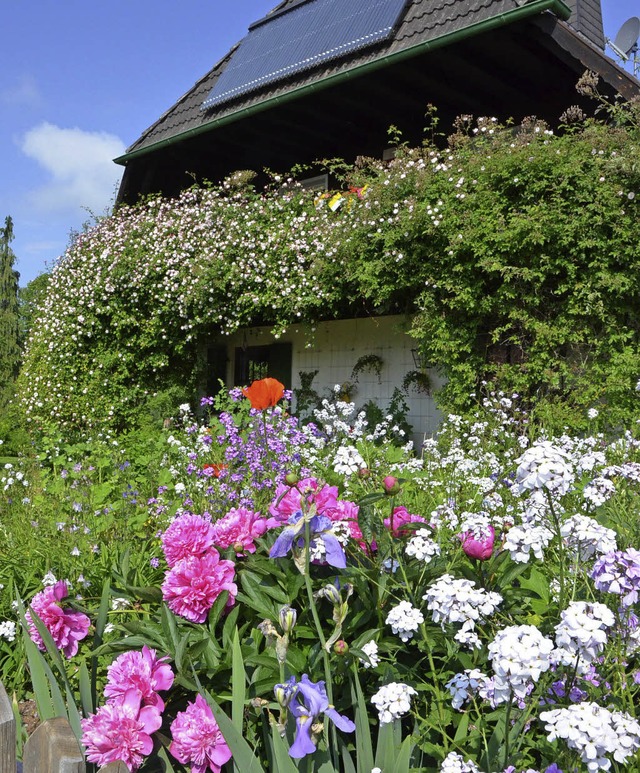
<point>364,743</point>
<point>86,695</point>
<point>238,678</point>
<point>284,763</point>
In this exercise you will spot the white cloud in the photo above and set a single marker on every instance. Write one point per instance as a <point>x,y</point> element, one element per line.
<point>24,93</point>
<point>80,167</point>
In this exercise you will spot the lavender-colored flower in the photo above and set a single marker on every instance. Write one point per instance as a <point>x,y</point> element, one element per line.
<point>320,527</point>
<point>308,702</point>
<point>619,572</point>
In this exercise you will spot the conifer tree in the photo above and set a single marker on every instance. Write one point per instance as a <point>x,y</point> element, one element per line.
<point>9,345</point>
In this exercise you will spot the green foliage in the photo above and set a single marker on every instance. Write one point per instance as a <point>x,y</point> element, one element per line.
<point>514,249</point>
<point>9,347</point>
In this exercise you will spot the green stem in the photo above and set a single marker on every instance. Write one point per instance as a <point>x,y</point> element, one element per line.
<point>561,577</point>
<point>507,720</point>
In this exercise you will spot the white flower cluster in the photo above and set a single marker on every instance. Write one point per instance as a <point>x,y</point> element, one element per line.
<point>393,701</point>
<point>455,763</point>
<point>581,633</point>
<point>422,546</point>
<point>544,466</point>
<point>404,620</point>
<point>521,541</point>
<point>348,461</point>
<point>459,601</point>
<point>594,732</point>
<point>519,655</point>
<point>585,537</point>
<point>599,490</point>
<point>370,649</point>
<point>7,630</point>
<point>462,686</point>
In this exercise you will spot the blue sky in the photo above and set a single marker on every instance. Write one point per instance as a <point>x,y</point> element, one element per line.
<point>81,80</point>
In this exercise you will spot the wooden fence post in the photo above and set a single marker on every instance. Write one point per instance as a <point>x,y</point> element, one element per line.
<point>53,747</point>
<point>114,767</point>
<point>7,734</point>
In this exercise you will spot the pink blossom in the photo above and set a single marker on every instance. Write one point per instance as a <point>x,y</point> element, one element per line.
<point>197,740</point>
<point>188,535</point>
<point>347,513</point>
<point>191,587</point>
<point>238,528</point>
<point>480,547</point>
<point>283,507</point>
<point>141,671</point>
<point>66,626</point>
<point>401,517</point>
<point>121,731</point>
<point>390,484</point>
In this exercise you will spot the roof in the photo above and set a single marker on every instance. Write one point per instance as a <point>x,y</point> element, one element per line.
<point>505,58</point>
<point>425,22</point>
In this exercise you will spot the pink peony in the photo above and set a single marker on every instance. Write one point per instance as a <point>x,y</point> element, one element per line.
<point>480,547</point>
<point>187,535</point>
<point>141,671</point>
<point>238,529</point>
<point>66,626</point>
<point>197,740</point>
<point>195,582</point>
<point>401,517</point>
<point>283,507</point>
<point>121,731</point>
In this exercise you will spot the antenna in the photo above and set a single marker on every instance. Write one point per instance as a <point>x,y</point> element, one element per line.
<point>626,42</point>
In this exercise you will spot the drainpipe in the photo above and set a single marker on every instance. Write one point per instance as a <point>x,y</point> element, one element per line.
<point>558,7</point>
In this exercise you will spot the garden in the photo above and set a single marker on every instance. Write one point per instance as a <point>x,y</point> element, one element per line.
<point>220,583</point>
<point>242,589</point>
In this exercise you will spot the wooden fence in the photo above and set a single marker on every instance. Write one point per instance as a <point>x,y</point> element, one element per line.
<point>51,748</point>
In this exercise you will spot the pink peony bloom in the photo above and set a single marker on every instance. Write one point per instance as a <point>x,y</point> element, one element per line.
<point>238,529</point>
<point>390,485</point>
<point>283,507</point>
<point>197,740</point>
<point>187,535</point>
<point>66,626</point>
<point>195,582</point>
<point>121,731</point>
<point>141,671</point>
<point>401,517</point>
<point>478,547</point>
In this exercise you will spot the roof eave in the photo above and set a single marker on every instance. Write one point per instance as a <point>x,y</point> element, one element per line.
<point>529,9</point>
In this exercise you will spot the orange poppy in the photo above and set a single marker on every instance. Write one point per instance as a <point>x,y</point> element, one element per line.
<point>264,393</point>
<point>216,469</point>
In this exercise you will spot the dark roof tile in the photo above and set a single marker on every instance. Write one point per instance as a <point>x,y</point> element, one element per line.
<point>423,21</point>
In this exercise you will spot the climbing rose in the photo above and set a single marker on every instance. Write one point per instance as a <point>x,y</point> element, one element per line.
<point>197,740</point>
<point>141,671</point>
<point>66,626</point>
<point>121,732</point>
<point>191,587</point>
<point>264,393</point>
<point>187,535</point>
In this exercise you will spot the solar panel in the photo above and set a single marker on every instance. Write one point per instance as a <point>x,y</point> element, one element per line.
<point>302,37</point>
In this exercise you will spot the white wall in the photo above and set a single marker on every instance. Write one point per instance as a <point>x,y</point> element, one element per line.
<point>333,348</point>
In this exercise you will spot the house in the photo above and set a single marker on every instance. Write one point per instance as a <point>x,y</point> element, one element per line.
<point>320,79</point>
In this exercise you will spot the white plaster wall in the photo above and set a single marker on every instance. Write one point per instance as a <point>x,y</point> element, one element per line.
<point>333,348</point>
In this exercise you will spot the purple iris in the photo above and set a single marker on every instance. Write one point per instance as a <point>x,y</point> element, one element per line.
<point>319,526</point>
<point>309,700</point>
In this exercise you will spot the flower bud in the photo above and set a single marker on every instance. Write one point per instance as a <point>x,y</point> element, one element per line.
<point>284,693</point>
<point>390,485</point>
<point>480,548</point>
<point>331,593</point>
<point>291,478</point>
<point>288,617</point>
<point>341,647</point>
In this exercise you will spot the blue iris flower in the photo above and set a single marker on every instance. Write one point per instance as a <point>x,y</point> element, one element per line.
<point>319,526</point>
<point>309,701</point>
